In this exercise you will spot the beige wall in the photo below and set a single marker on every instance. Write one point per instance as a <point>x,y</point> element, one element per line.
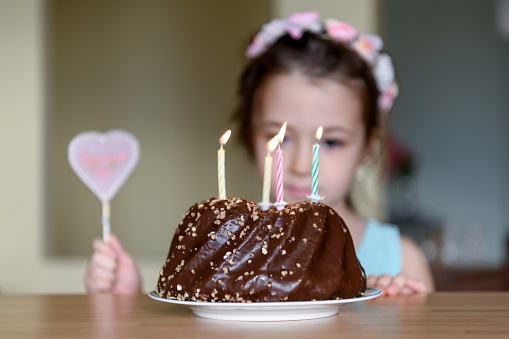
<point>166,72</point>
<point>22,263</point>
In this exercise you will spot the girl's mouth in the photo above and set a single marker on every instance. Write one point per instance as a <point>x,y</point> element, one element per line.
<point>298,192</point>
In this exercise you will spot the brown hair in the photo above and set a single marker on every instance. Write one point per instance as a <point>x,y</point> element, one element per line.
<point>315,57</point>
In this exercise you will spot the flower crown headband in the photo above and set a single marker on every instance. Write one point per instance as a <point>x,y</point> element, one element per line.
<point>367,45</point>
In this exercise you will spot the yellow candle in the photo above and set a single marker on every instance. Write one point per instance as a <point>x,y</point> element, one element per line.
<point>271,146</point>
<point>220,165</point>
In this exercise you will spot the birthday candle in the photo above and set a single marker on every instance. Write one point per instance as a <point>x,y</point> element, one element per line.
<point>220,165</point>
<point>279,166</point>
<point>271,146</point>
<point>315,169</point>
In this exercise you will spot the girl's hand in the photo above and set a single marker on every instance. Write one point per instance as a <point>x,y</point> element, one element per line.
<point>400,284</point>
<point>111,269</point>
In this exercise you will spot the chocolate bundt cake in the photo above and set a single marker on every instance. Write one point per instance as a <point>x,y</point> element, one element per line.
<point>231,251</point>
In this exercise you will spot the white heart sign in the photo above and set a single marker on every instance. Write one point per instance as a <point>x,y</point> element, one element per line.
<point>104,161</point>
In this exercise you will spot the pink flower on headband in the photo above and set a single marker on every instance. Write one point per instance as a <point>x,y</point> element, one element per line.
<point>295,25</point>
<point>368,46</point>
<point>340,31</point>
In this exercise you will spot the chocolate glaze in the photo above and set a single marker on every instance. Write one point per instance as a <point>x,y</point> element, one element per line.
<point>230,250</point>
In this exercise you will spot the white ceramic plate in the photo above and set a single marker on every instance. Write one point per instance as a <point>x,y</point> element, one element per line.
<point>268,311</point>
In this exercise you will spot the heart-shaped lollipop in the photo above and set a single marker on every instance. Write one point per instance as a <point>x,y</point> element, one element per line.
<point>104,162</point>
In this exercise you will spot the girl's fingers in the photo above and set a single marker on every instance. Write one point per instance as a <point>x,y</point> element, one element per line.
<point>416,286</point>
<point>116,246</point>
<point>101,274</point>
<point>371,281</point>
<point>396,285</point>
<point>98,280</point>
<point>100,246</point>
<point>383,282</point>
<point>102,261</point>
<point>406,290</point>
<point>400,284</point>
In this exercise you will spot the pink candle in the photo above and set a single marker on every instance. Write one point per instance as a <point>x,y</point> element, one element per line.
<point>280,203</point>
<point>279,174</point>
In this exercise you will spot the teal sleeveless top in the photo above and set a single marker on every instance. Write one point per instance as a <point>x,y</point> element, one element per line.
<point>380,251</point>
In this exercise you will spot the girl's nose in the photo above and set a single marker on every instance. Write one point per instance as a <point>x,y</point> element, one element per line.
<point>301,159</point>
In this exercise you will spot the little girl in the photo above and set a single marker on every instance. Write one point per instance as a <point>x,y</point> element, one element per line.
<point>312,74</point>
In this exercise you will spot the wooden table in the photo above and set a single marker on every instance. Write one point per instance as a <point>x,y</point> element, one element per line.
<point>439,315</point>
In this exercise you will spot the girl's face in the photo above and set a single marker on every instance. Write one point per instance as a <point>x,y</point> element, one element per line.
<point>307,103</point>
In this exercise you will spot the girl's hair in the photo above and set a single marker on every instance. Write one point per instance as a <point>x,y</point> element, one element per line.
<point>315,57</point>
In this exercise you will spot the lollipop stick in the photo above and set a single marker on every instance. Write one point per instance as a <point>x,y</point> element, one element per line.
<point>106,222</point>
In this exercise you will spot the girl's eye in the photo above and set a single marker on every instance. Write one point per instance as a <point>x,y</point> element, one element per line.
<point>332,143</point>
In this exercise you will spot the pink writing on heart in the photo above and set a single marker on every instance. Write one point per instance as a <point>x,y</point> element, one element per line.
<point>103,165</point>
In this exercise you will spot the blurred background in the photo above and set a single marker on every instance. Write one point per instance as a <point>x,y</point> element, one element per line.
<point>166,70</point>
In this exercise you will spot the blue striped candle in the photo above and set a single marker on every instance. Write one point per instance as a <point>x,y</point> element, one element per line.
<point>315,169</point>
